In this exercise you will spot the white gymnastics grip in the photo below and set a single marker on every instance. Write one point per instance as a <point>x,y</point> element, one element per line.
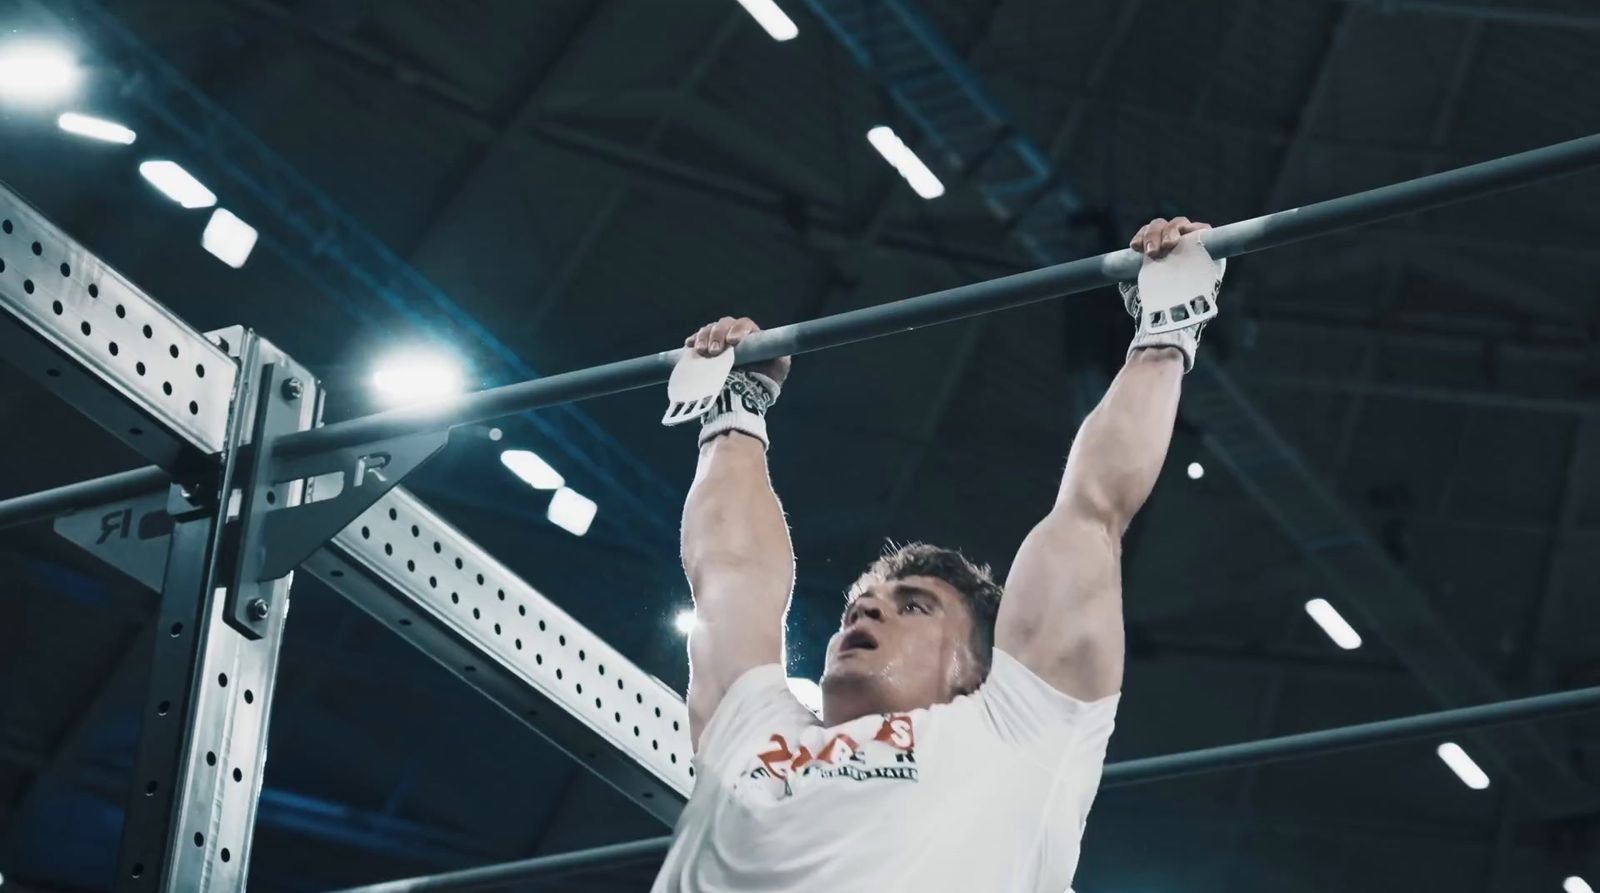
<point>695,384</point>
<point>1179,290</point>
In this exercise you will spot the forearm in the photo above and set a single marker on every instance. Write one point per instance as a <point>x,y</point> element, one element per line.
<point>1121,446</point>
<point>735,541</point>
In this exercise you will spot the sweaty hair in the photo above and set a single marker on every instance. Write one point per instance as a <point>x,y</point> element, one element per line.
<point>979,592</point>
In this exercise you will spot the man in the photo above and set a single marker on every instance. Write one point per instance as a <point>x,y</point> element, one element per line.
<point>962,733</point>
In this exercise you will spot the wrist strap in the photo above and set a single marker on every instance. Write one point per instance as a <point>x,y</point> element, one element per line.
<point>1185,341</point>
<point>742,406</point>
<point>1186,285</point>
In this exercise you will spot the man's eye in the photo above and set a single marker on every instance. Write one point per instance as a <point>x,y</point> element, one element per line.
<point>916,606</point>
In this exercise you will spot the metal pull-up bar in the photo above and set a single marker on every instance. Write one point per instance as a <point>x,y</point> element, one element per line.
<point>952,304</point>
<point>1127,772</point>
<point>1242,237</point>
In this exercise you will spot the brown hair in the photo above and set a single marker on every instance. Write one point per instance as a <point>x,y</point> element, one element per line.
<point>979,592</point>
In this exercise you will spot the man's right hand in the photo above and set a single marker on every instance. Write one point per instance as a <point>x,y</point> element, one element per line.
<point>727,332</point>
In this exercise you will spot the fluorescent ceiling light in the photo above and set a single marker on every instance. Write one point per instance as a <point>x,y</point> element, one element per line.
<point>1196,471</point>
<point>1463,766</point>
<point>1338,629</point>
<point>95,128</point>
<point>807,692</point>
<point>37,72</point>
<point>229,238</point>
<point>685,622</point>
<point>1576,884</point>
<point>897,153</point>
<point>534,471</point>
<point>416,376</point>
<point>177,184</point>
<point>770,17</point>
<point>571,511</point>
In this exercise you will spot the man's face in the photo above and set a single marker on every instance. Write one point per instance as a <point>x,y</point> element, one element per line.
<point>901,644</point>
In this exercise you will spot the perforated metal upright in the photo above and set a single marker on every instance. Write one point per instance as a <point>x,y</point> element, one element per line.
<point>197,405</point>
<point>203,740</point>
<point>185,401</point>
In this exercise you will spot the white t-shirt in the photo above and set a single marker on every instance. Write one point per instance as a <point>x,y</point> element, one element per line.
<point>989,792</point>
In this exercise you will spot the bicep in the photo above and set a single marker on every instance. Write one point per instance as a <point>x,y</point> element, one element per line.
<point>1062,611</point>
<point>735,631</point>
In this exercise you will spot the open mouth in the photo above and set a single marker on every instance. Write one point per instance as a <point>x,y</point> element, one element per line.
<point>858,640</point>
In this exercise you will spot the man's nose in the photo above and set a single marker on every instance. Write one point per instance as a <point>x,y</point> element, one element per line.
<point>864,608</point>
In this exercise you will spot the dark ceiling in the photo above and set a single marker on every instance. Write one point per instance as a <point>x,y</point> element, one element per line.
<point>590,181</point>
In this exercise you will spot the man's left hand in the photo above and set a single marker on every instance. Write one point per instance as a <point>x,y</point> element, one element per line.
<point>1158,237</point>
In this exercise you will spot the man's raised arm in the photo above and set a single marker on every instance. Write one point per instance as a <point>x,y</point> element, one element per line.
<point>1062,611</point>
<point>736,549</point>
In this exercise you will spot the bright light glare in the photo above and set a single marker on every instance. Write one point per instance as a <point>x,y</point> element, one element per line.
<point>897,153</point>
<point>685,622</point>
<point>1463,766</point>
<point>807,692</point>
<point>37,72</point>
<point>95,128</point>
<point>1576,884</point>
<point>177,184</point>
<point>534,471</point>
<point>1333,623</point>
<point>416,377</point>
<point>571,511</point>
<point>229,238</point>
<point>770,17</point>
<point>1196,471</point>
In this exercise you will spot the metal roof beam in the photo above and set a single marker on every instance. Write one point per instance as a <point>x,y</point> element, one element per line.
<point>535,86</point>
<point>549,294</point>
<point>1451,395</point>
<point>1479,14</point>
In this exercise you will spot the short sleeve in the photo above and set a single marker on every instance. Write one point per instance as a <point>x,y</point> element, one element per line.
<point>1024,709</point>
<point>757,705</point>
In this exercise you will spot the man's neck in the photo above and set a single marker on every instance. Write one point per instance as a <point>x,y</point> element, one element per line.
<point>838,716</point>
<point>841,707</point>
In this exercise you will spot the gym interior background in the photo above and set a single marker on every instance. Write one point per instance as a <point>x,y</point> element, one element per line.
<point>588,181</point>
